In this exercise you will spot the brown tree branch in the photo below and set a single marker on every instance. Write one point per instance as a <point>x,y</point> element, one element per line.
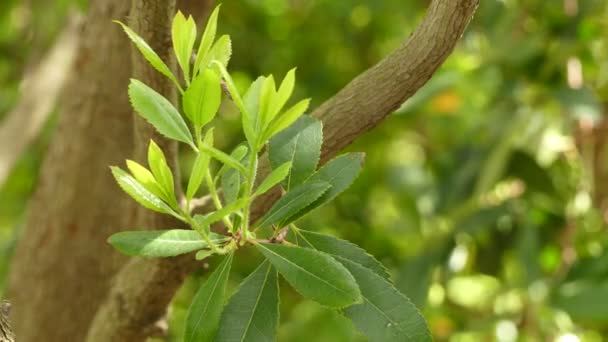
<point>145,287</point>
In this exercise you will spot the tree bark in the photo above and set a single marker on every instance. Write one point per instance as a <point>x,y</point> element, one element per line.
<point>62,266</point>
<point>145,287</point>
<point>6,332</point>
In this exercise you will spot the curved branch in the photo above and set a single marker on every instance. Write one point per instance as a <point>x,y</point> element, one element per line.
<point>145,287</point>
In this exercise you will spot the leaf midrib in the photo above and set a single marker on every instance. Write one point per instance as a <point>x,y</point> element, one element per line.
<point>257,301</point>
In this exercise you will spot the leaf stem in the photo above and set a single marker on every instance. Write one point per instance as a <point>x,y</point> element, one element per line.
<point>216,199</point>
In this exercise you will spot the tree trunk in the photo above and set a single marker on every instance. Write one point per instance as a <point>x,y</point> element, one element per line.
<point>62,265</point>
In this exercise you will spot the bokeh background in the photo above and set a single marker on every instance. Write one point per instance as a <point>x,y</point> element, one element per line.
<point>486,194</point>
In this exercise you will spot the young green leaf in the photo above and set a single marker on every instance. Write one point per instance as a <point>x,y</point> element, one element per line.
<point>301,145</point>
<point>274,178</point>
<point>313,274</point>
<point>161,171</point>
<point>231,178</point>
<point>183,34</point>
<point>159,112</point>
<point>149,54</point>
<point>161,243</point>
<point>252,96</point>
<point>146,178</point>
<point>206,41</point>
<point>202,99</point>
<point>200,167</point>
<point>283,94</point>
<point>139,193</point>
<point>209,219</point>
<point>267,94</point>
<point>204,315</point>
<point>341,248</point>
<point>252,314</point>
<point>221,51</point>
<point>340,172</point>
<point>293,202</point>
<point>222,157</point>
<point>385,315</point>
<point>287,119</point>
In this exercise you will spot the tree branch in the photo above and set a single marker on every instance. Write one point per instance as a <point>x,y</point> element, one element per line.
<point>145,287</point>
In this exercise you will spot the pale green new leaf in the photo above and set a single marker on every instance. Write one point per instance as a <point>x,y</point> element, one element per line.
<point>267,94</point>
<point>149,54</point>
<point>340,172</point>
<point>293,202</point>
<point>313,274</point>
<point>204,315</point>
<point>183,34</point>
<point>283,93</point>
<point>206,41</point>
<point>274,178</point>
<point>385,315</point>
<point>161,171</point>
<point>221,51</point>
<point>146,178</point>
<point>200,167</point>
<point>139,193</point>
<point>252,314</point>
<point>341,248</point>
<point>209,219</point>
<point>202,99</point>
<point>301,145</point>
<point>161,243</point>
<point>159,112</point>
<point>287,119</point>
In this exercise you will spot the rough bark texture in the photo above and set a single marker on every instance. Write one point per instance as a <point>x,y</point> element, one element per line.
<point>62,266</point>
<point>146,286</point>
<point>6,332</point>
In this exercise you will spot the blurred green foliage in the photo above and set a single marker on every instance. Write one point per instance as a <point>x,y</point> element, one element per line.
<point>483,194</point>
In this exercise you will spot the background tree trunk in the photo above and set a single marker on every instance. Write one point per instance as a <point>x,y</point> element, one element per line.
<point>62,266</point>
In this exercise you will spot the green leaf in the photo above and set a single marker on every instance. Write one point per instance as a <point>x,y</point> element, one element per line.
<point>183,34</point>
<point>385,315</point>
<point>207,220</point>
<point>341,248</point>
<point>340,172</point>
<point>231,178</point>
<point>159,112</point>
<point>301,145</point>
<point>251,98</point>
<point>293,202</point>
<point>222,157</point>
<point>252,314</point>
<point>276,176</point>
<point>206,40</point>
<point>146,178</point>
<point>149,54</point>
<point>161,243</point>
<point>139,193</point>
<point>204,315</point>
<point>266,98</point>
<point>287,118</point>
<point>202,99</point>
<point>283,94</point>
<point>161,171</point>
<point>313,274</point>
<point>221,52</point>
<point>200,167</point>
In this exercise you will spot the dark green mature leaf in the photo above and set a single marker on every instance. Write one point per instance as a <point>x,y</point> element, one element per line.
<point>583,300</point>
<point>299,144</point>
<point>149,54</point>
<point>385,315</point>
<point>161,243</point>
<point>161,171</point>
<point>203,318</point>
<point>139,193</point>
<point>252,314</point>
<point>159,112</point>
<point>341,248</point>
<point>276,176</point>
<point>313,274</point>
<point>206,41</point>
<point>295,201</point>
<point>200,167</point>
<point>183,34</point>
<point>231,178</point>
<point>202,99</point>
